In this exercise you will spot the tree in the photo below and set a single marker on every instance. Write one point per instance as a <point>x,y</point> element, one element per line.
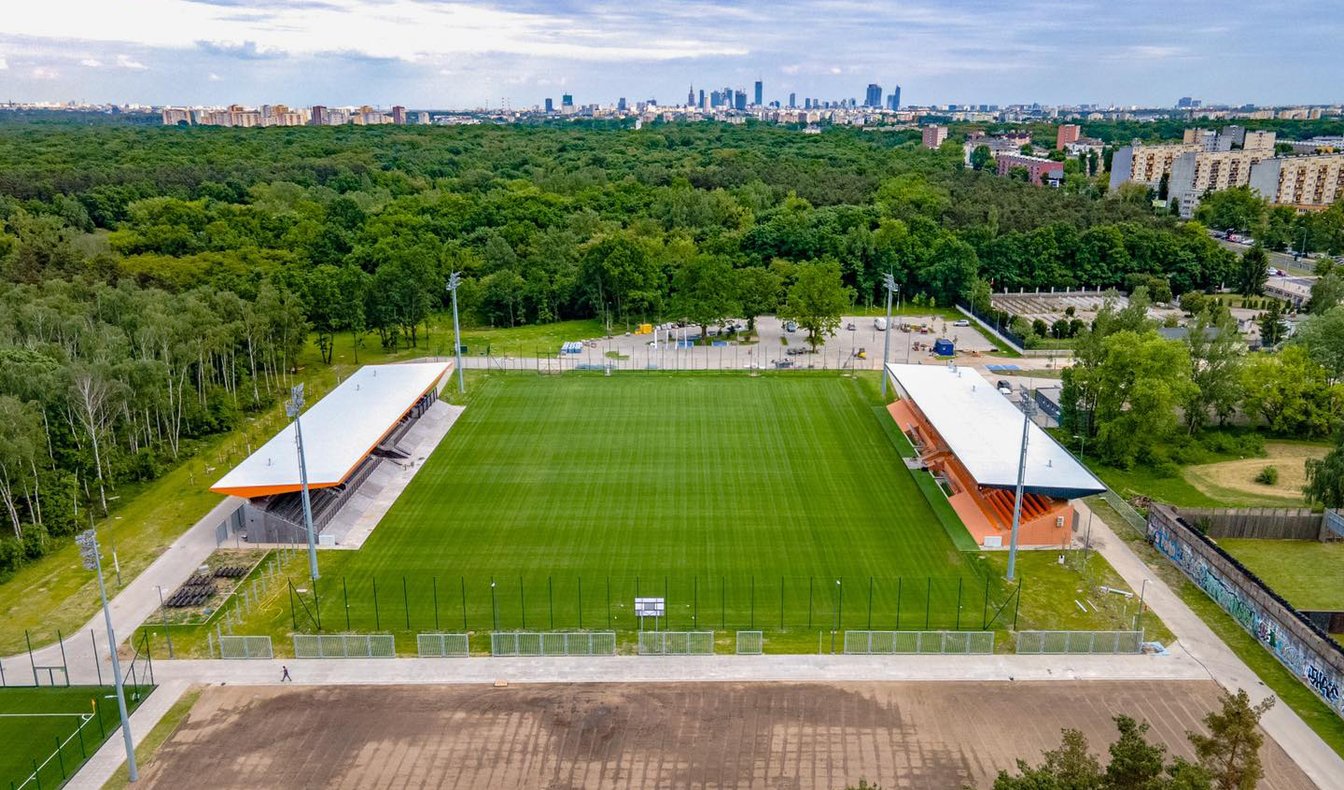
<point>980,157</point>
<point>1325,476</point>
<point>1135,764</point>
<point>1231,750</point>
<point>704,292</point>
<point>1252,271</point>
<point>1216,355</point>
<point>20,438</point>
<point>1237,208</point>
<point>1322,336</point>
<point>1326,293</point>
<point>1139,381</point>
<point>1272,325</point>
<point>1070,767</point>
<point>816,300</point>
<point>1290,391</point>
<point>759,290</point>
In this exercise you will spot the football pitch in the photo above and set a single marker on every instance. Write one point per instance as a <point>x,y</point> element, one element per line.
<point>775,502</point>
<point>48,733</point>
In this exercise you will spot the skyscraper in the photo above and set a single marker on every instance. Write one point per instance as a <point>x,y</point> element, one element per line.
<point>690,97</point>
<point>793,100</point>
<point>740,100</point>
<point>550,105</point>
<point>566,101</point>
<point>620,105</point>
<point>702,97</point>
<point>874,95</point>
<point>894,100</point>
<point>760,93</point>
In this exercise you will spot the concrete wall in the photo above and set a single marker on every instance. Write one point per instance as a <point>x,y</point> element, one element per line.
<point>1289,635</point>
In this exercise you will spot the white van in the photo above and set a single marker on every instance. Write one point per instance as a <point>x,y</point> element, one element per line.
<point>880,324</point>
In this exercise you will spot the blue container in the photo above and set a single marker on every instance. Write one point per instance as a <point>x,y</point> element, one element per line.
<point>943,347</point>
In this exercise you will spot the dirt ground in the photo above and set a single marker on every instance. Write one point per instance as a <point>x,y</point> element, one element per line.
<point>765,735</point>
<point>1239,476</point>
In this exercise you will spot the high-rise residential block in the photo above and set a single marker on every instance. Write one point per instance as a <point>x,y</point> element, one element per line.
<point>398,114</point>
<point>1067,133</point>
<point>1146,164</point>
<point>1306,182</point>
<point>934,136</point>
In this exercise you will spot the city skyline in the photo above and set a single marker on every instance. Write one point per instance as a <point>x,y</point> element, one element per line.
<point>519,52</point>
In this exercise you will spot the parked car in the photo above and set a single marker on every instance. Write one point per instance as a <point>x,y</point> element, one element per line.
<point>962,322</point>
<point>1005,387</point>
<point>790,326</point>
<point>880,324</point>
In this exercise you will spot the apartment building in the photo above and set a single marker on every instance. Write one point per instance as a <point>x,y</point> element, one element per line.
<point>1196,173</point>
<point>1305,182</point>
<point>1039,171</point>
<point>934,136</point>
<point>1147,164</point>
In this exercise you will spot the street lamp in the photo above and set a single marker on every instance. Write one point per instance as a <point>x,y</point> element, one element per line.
<point>1082,446</point>
<point>292,407</point>
<point>88,552</point>
<point>1028,408</point>
<point>164,614</point>
<point>455,280</point>
<point>889,283</point>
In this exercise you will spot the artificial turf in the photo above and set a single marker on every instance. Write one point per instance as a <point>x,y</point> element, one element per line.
<point>35,721</point>
<point>1305,572</point>
<point>767,502</point>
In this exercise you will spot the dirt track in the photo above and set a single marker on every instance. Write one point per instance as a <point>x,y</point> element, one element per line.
<point>927,735</point>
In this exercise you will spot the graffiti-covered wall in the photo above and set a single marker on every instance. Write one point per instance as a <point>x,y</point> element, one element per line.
<point>1310,654</point>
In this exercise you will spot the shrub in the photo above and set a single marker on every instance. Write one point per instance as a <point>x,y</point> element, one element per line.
<point>1268,476</point>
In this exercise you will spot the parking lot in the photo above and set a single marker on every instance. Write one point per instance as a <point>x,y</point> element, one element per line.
<point>857,344</point>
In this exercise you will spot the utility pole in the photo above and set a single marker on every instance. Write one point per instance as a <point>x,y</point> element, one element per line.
<point>164,614</point>
<point>1028,408</point>
<point>455,280</point>
<point>88,552</point>
<point>292,407</point>
<point>889,283</point>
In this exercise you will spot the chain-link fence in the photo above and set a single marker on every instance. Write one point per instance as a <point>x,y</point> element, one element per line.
<point>344,646</point>
<point>245,647</point>
<point>442,645</point>
<point>550,643</point>
<point>1057,642</point>
<point>918,642</point>
<point>676,643</point>
<point>750,643</point>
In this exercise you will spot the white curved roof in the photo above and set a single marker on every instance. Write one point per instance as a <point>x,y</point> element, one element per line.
<point>339,431</point>
<point>984,430</point>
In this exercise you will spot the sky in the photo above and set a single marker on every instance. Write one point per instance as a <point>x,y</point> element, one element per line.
<point>464,54</point>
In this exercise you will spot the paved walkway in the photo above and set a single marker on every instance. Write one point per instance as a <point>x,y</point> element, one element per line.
<point>137,602</point>
<point>1316,758</point>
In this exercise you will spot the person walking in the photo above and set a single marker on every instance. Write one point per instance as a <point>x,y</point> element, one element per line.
<point>284,674</point>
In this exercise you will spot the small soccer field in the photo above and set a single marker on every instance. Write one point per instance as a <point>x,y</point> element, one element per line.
<point>770,502</point>
<point>48,733</point>
<point>1305,572</point>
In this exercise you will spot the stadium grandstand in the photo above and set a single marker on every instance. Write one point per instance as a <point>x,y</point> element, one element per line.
<point>346,435</point>
<point>969,436</point>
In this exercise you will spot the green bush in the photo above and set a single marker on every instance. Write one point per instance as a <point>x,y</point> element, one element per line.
<point>1268,476</point>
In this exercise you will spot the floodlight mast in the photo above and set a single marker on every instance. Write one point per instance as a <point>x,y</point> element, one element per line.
<point>455,280</point>
<point>88,551</point>
<point>889,283</point>
<point>292,407</point>
<point>1028,408</point>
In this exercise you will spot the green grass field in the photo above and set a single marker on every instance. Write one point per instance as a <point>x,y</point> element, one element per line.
<point>1306,573</point>
<point>34,722</point>
<point>776,502</point>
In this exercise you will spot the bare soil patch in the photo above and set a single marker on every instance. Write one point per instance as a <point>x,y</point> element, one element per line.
<point>1239,476</point>
<point>767,735</point>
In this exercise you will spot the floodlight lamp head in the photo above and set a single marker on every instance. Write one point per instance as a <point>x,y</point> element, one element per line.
<point>454,280</point>
<point>890,282</point>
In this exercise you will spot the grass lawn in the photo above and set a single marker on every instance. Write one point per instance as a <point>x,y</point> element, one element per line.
<point>35,721</point>
<point>554,502</point>
<point>1234,482</point>
<point>1306,573</point>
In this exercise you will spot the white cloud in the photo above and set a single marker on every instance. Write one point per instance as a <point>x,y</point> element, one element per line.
<point>4,64</point>
<point>214,77</point>
<point>401,29</point>
<point>43,73</point>
<point>127,62</point>
<point>91,63</point>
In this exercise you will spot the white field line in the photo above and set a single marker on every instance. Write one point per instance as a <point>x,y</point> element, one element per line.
<point>84,719</point>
